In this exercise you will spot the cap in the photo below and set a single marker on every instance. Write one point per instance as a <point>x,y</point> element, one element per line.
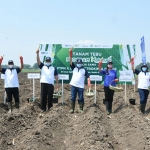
<point>10,61</point>
<point>109,62</point>
<point>144,65</point>
<point>79,60</point>
<point>48,59</point>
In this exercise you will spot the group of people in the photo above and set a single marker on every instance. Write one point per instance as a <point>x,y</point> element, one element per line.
<point>79,73</point>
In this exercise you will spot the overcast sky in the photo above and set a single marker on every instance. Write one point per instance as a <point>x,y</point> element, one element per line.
<point>26,23</point>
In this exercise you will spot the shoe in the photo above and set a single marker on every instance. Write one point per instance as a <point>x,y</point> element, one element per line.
<point>42,111</point>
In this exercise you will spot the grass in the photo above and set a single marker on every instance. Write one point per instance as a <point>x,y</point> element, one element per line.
<point>31,70</point>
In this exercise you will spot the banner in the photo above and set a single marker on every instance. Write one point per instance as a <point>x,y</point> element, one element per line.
<point>45,50</point>
<point>143,50</point>
<point>90,55</point>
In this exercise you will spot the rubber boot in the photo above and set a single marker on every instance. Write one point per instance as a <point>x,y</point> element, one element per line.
<point>104,101</point>
<point>10,107</point>
<point>106,104</point>
<point>72,107</point>
<point>81,105</point>
<point>142,108</point>
<point>16,107</point>
<point>110,107</point>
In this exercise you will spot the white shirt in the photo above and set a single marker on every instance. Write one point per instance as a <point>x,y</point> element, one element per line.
<point>143,80</point>
<point>47,74</point>
<point>78,76</point>
<point>11,77</point>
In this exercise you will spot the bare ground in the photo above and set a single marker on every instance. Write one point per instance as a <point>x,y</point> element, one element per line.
<point>57,129</point>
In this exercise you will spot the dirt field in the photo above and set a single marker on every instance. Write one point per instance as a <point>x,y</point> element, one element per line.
<point>125,129</point>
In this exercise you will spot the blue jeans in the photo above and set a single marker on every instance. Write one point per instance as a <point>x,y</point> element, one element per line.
<point>143,95</point>
<point>75,91</point>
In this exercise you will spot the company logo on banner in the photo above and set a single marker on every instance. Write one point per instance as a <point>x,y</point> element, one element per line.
<point>86,46</point>
<point>90,54</point>
<point>46,50</point>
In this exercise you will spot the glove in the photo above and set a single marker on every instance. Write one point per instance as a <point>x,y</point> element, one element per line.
<point>21,60</point>
<point>1,58</point>
<point>70,52</point>
<point>100,64</point>
<point>132,61</point>
<point>89,83</point>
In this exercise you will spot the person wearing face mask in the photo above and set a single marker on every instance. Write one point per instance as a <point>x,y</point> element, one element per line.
<point>77,82</point>
<point>48,74</point>
<point>143,84</point>
<point>11,82</point>
<point>110,79</point>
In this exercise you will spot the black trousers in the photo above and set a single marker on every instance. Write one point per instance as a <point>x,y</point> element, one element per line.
<point>47,91</point>
<point>12,92</point>
<point>108,94</point>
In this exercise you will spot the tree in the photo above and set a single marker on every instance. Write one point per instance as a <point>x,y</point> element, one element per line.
<point>35,66</point>
<point>139,66</point>
<point>26,66</point>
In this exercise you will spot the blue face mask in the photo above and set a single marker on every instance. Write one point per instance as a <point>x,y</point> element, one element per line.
<point>79,65</point>
<point>144,69</point>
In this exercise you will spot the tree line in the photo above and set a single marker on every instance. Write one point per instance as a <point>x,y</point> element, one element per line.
<point>139,66</point>
<point>26,66</point>
<point>35,66</point>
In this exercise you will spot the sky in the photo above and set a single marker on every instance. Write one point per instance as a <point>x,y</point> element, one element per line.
<point>24,24</point>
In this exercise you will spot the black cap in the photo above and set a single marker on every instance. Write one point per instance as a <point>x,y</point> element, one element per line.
<point>48,58</point>
<point>79,60</point>
<point>109,62</point>
<point>10,61</point>
<point>144,65</point>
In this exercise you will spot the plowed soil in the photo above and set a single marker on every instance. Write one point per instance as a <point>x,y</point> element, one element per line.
<point>29,129</point>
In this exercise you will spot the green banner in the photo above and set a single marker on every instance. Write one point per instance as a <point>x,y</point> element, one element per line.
<point>91,55</point>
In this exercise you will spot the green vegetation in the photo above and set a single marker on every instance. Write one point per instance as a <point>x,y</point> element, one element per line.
<point>139,66</point>
<point>31,70</point>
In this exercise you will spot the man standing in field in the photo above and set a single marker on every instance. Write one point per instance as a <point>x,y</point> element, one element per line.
<point>77,82</point>
<point>48,73</point>
<point>11,82</point>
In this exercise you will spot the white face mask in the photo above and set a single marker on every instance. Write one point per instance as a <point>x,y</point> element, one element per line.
<point>79,65</point>
<point>11,66</point>
<point>47,63</point>
<point>110,66</point>
<point>144,69</point>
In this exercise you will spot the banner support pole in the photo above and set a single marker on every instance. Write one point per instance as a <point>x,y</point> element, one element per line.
<point>125,93</point>
<point>62,92</point>
<point>95,93</point>
<point>33,91</point>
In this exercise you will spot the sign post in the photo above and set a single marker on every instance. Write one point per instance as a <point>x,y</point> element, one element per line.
<point>5,95</point>
<point>2,76</point>
<point>33,76</point>
<point>95,78</point>
<point>63,77</point>
<point>126,76</point>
